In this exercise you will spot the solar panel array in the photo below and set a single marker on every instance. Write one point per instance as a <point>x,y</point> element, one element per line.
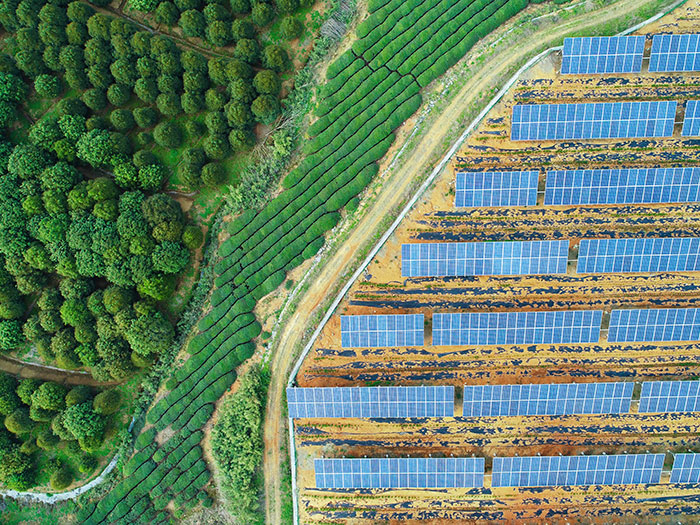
<point>397,473</point>
<point>598,120</point>
<point>639,255</point>
<point>372,402</point>
<point>547,400</point>
<point>603,54</point>
<point>691,121</point>
<point>558,471</point>
<point>496,188</point>
<point>517,328</point>
<point>655,324</point>
<point>669,396</point>
<point>622,186</point>
<point>675,53</point>
<point>459,259</point>
<point>686,468</point>
<point>377,331</point>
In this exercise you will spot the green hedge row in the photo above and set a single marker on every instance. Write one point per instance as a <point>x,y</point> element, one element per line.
<point>371,90</point>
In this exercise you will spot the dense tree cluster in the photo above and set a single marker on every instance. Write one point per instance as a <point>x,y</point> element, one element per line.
<point>43,417</point>
<point>237,443</point>
<point>85,237</point>
<point>133,79</point>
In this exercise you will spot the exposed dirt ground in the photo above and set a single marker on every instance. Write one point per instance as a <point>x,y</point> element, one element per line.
<point>435,218</point>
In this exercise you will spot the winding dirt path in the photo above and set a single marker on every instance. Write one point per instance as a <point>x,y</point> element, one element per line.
<point>24,370</point>
<point>393,194</point>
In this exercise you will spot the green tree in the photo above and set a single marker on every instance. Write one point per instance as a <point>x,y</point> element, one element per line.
<point>150,334</point>
<point>287,6</point>
<point>61,478</point>
<point>192,23</point>
<point>166,13</point>
<point>96,147</point>
<point>275,58</point>
<point>144,5</point>
<point>240,7</point>
<point>168,134</point>
<point>213,174</point>
<point>50,396</point>
<point>10,334</point>
<point>83,422</point>
<point>241,139</point>
<point>151,177</point>
<point>145,117</point>
<point>247,49</point>
<point>9,402</point>
<point>267,82</point>
<point>106,402</point>
<point>266,108</point>
<point>192,237</point>
<point>168,104</point>
<point>262,14</point>
<point>18,422</point>
<point>122,119</point>
<point>218,33</point>
<point>242,28</point>
<point>47,86</point>
<point>170,257</point>
<point>78,394</point>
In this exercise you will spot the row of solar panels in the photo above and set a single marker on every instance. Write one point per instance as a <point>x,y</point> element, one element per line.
<point>578,187</point>
<point>528,471</point>
<point>632,255</point>
<point>602,120</point>
<point>555,399</point>
<point>521,328</point>
<point>624,54</point>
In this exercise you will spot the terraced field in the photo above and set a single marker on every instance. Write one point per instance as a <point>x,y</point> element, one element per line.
<point>382,289</point>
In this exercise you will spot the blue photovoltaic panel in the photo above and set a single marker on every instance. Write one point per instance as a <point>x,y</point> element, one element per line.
<point>461,259</point>
<point>686,468</point>
<point>670,396</point>
<point>602,54</point>
<point>376,331</point>
<point>496,188</point>
<point>561,471</point>
<point>691,121</point>
<point>654,325</point>
<point>372,402</point>
<point>517,328</point>
<point>675,53</point>
<point>598,120</point>
<point>547,400</point>
<point>639,255</point>
<point>622,186</point>
<point>399,473</point>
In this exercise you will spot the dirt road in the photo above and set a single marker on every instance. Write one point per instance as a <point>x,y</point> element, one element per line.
<point>48,373</point>
<point>416,165</point>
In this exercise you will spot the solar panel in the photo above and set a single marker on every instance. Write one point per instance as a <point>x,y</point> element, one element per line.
<point>459,259</point>
<point>622,186</point>
<point>598,120</point>
<point>399,473</point>
<point>655,324</point>
<point>691,121</point>
<point>547,400</point>
<point>517,328</point>
<point>670,396</point>
<point>377,331</point>
<point>602,54</point>
<point>496,188</point>
<point>561,471</point>
<point>639,255</point>
<point>675,53</point>
<point>686,468</point>
<point>371,402</point>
